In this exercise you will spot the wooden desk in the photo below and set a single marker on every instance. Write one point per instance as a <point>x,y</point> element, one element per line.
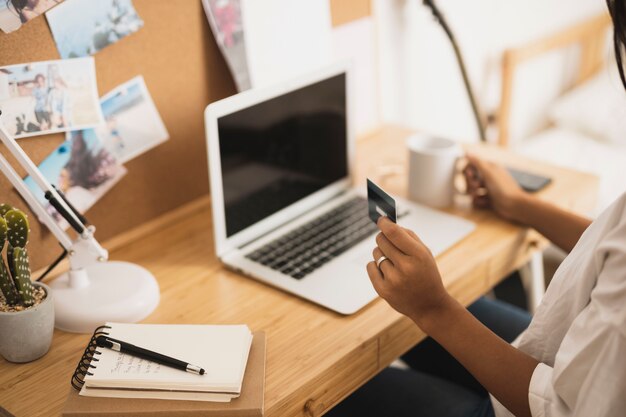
<point>315,357</point>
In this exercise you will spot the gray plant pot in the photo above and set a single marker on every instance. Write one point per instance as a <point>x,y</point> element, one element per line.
<point>26,335</point>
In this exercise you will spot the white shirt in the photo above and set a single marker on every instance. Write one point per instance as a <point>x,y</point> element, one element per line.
<point>578,333</point>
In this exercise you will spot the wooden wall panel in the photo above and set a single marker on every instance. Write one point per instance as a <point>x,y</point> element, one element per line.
<point>184,71</point>
<point>345,11</point>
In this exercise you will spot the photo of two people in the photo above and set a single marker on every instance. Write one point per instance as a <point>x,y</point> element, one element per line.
<point>89,162</point>
<point>48,97</point>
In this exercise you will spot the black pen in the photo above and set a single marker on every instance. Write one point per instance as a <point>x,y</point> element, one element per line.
<point>119,346</point>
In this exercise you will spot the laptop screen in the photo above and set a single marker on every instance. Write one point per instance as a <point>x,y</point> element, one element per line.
<point>282,150</point>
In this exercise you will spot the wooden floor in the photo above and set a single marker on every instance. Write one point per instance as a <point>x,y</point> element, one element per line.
<point>314,357</point>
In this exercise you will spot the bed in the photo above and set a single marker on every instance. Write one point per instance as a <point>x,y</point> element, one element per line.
<point>584,126</point>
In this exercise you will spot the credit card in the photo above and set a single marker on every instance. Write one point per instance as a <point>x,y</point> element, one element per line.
<point>379,203</point>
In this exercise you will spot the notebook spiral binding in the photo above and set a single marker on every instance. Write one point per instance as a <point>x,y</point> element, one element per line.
<point>86,361</point>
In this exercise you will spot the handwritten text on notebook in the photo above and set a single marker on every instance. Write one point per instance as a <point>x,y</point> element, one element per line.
<point>132,365</point>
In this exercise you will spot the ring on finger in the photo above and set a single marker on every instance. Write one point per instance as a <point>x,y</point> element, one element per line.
<point>381,260</point>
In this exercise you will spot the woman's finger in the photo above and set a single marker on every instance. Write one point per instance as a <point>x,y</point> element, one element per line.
<point>397,236</point>
<point>414,236</point>
<point>385,266</point>
<point>471,172</point>
<point>478,191</point>
<point>481,201</point>
<point>485,169</point>
<point>376,277</point>
<point>388,249</point>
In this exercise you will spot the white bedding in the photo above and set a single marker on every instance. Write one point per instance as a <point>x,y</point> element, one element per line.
<point>571,149</point>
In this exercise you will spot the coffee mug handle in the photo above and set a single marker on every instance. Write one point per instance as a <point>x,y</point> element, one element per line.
<point>459,183</point>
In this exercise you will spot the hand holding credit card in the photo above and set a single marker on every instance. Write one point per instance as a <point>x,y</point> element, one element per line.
<point>379,203</point>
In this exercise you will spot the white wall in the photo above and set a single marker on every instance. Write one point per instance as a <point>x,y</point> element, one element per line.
<point>285,39</point>
<point>356,42</point>
<point>419,80</point>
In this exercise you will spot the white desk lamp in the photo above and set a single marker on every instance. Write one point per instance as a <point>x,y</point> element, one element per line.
<point>94,290</point>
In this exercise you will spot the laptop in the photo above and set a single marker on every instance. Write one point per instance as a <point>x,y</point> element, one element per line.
<point>285,211</point>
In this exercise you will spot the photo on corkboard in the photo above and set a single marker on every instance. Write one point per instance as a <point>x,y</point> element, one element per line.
<point>132,122</point>
<point>14,13</point>
<point>224,17</point>
<point>83,27</point>
<point>48,97</point>
<point>82,169</point>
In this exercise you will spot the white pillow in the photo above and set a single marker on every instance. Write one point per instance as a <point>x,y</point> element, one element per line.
<point>597,108</point>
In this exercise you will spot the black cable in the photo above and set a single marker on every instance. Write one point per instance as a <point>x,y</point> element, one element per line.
<point>53,265</point>
<point>457,52</point>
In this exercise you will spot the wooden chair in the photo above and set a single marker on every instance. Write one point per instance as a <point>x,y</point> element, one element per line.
<point>590,36</point>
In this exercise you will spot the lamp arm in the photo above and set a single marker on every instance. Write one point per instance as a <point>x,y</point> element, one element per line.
<point>459,57</point>
<point>35,205</point>
<point>83,251</point>
<point>119,290</point>
<point>34,172</point>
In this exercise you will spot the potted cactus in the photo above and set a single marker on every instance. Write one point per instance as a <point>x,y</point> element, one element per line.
<point>26,308</point>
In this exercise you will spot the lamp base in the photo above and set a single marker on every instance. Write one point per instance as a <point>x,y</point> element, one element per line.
<point>114,291</point>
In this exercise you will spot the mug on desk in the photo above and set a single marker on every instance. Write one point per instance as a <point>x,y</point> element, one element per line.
<point>433,166</point>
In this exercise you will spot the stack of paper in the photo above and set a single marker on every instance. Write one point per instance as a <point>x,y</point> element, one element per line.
<point>222,351</point>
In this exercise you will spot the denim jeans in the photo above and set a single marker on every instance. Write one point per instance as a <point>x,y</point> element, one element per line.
<point>436,385</point>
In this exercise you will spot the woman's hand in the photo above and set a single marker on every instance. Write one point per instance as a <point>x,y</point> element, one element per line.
<point>409,280</point>
<point>491,186</point>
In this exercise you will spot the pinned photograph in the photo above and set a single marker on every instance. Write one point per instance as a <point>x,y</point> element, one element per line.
<point>14,13</point>
<point>83,27</point>
<point>132,122</point>
<point>82,169</point>
<point>224,17</point>
<point>47,97</point>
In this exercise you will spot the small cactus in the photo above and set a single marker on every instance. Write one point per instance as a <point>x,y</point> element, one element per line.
<point>6,286</point>
<point>3,232</point>
<point>4,208</point>
<point>17,228</point>
<point>14,228</point>
<point>10,259</point>
<point>17,234</point>
<point>22,277</point>
<point>6,283</point>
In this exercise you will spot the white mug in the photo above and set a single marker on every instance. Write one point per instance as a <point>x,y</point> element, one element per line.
<point>432,169</point>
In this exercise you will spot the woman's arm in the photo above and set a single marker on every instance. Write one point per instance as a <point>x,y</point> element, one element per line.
<point>411,283</point>
<point>491,186</point>
<point>502,369</point>
<point>561,227</point>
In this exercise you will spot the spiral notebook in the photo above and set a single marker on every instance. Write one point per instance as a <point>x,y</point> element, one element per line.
<point>221,350</point>
<point>248,404</point>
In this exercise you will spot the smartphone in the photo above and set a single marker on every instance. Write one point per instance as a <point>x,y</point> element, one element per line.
<point>529,182</point>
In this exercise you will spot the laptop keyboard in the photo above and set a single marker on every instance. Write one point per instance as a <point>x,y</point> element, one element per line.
<point>307,248</point>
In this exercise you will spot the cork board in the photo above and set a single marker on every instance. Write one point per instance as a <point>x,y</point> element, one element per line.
<point>176,53</point>
<point>184,71</point>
